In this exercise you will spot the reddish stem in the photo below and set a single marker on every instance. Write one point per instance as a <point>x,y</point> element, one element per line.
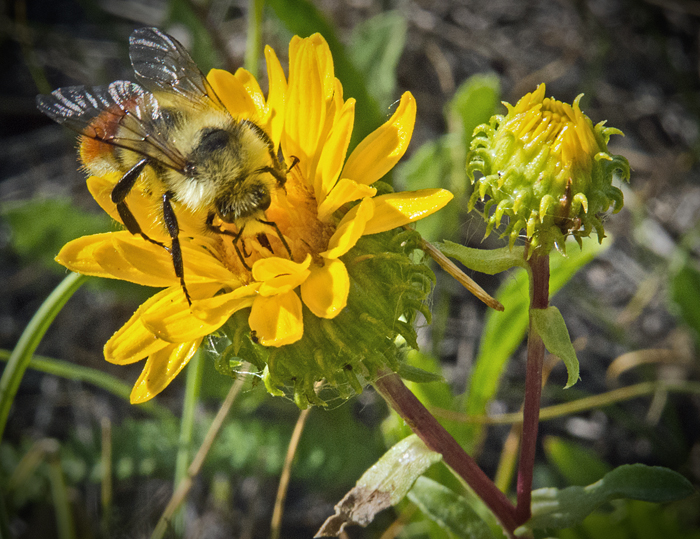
<point>539,299</point>
<point>434,435</point>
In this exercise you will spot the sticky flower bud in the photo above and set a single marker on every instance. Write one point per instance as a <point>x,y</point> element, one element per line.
<point>547,168</point>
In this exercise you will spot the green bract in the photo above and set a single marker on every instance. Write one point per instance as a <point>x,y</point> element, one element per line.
<point>548,169</point>
<point>388,288</point>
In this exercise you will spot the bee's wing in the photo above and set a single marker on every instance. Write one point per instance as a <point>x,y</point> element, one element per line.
<point>163,64</point>
<point>122,114</point>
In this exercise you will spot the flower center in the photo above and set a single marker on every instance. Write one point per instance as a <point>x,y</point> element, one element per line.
<point>294,211</point>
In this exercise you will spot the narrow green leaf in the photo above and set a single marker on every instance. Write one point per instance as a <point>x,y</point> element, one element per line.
<point>489,261</point>
<point>554,508</point>
<point>579,465</point>
<point>448,509</point>
<point>550,325</point>
<point>685,293</point>
<point>30,339</point>
<point>383,485</point>
<point>418,375</point>
<point>70,371</point>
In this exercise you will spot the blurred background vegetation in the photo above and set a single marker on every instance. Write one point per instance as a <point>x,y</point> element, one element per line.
<point>632,307</point>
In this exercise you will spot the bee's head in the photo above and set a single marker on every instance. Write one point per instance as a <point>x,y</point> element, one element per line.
<point>252,199</point>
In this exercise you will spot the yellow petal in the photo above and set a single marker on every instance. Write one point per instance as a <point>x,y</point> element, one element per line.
<point>397,209</point>
<point>218,309</point>
<point>119,255</point>
<point>280,275</point>
<point>277,320</point>
<point>382,149</point>
<point>79,255</point>
<point>274,266</point>
<point>202,266</point>
<point>326,290</point>
<point>344,191</point>
<point>350,229</point>
<point>170,318</point>
<point>133,342</point>
<point>305,114</point>
<point>232,93</point>
<point>253,89</point>
<point>334,151</point>
<point>101,188</point>
<point>161,368</point>
<point>276,95</point>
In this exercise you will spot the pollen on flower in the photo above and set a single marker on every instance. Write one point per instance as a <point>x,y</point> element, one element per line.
<point>547,168</point>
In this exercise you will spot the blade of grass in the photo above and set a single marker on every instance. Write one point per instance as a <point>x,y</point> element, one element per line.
<point>59,493</point>
<point>276,524</point>
<point>68,370</point>
<point>106,488</point>
<point>29,340</point>
<point>576,406</point>
<point>186,484</point>
<point>193,384</point>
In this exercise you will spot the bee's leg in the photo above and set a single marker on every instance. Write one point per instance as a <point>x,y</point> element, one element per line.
<point>119,194</point>
<point>236,238</point>
<point>175,250</point>
<point>279,235</point>
<point>295,160</point>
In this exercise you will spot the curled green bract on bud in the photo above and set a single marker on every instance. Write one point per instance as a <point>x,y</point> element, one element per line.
<point>547,168</point>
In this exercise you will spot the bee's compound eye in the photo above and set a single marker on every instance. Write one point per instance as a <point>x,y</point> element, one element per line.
<point>213,139</point>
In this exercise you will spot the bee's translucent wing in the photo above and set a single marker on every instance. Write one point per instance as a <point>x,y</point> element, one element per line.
<point>122,114</point>
<point>163,64</point>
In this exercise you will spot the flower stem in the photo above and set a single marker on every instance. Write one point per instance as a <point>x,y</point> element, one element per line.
<point>539,299</point>
<point>434,435</point>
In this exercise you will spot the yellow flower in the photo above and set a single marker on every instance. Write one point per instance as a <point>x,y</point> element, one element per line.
<point>310,121</point>
<point>547,167</point>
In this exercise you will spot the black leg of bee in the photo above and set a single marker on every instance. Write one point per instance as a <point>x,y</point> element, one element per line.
<point>119,194</point>
<point>236,238</point>
<point>295,160</point>
<point>279,235</point>
<point>175,250</point>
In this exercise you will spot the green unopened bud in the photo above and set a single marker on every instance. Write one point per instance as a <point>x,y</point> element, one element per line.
<point>547,168</point>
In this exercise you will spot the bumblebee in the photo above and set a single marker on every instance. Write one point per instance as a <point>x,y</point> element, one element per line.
<point>174,123</point>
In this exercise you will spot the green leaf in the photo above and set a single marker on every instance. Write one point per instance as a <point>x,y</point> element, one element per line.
<point>489,261</point>
<point>554,508</point>
<point>418,375</point>
<point>383,485</point>
<point>549,324</point>
<point>29,340</point>
<point>474,103</point>
<point>685,293</point>
<point>375,48</point>
<point>449,510</point>
<point>578,465</point>
<point>504,331</point>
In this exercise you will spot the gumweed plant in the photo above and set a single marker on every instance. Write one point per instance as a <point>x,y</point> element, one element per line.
<point>337,227</point>
<point>307,269</point>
